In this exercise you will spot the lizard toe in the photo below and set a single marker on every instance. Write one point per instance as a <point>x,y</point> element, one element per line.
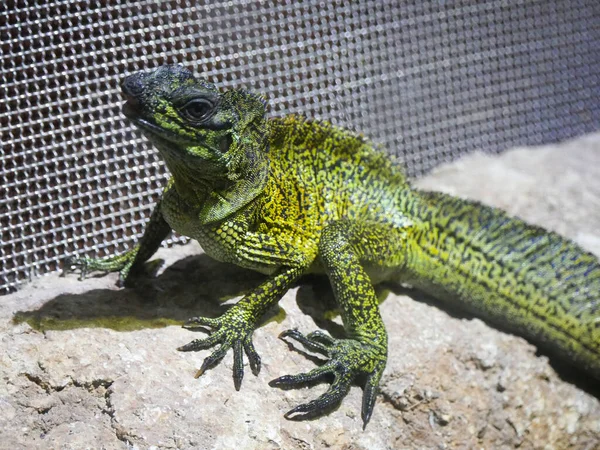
<point>322,404</point>
<point>348,359</point>
<point>315,341</point>
<point>294,381</point>
<point>230,331</point>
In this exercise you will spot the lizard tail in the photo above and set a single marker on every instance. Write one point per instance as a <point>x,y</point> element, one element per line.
<point>524,278</point>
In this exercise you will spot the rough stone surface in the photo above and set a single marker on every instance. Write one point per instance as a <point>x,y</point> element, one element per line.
<point>95,371</point>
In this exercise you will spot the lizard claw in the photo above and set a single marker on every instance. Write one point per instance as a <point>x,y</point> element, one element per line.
<point>119,263</point>
<point>231,330</point>
<point>72,264</point>
<point>347,359</point>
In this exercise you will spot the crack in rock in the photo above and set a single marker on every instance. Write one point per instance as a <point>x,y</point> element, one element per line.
<point>93,387</point>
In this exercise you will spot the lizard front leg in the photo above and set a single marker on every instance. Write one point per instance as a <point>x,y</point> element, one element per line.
<point>344,247</point>
<point>235,327</point>
<point>157,229</point>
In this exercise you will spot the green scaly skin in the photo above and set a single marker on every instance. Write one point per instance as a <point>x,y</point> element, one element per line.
<point>290,196</point>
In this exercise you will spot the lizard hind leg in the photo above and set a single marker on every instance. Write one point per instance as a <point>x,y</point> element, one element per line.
<point>344,246</point>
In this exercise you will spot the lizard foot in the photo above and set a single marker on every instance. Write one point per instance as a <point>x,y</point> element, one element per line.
<point>119,263</point>
<point>347,359</point>
<point>232,330</point>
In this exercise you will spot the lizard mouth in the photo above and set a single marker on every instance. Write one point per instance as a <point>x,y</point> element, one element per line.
<point>131,110</point>
<point>156,133</point>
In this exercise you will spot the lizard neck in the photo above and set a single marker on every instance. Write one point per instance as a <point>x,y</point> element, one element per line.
<point>218,197</point>
<point>191,186</point>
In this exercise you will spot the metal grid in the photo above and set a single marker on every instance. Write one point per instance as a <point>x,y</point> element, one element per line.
<point>430,80</point>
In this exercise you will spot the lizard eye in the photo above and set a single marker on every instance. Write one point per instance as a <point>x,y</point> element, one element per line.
<point>197,110</point>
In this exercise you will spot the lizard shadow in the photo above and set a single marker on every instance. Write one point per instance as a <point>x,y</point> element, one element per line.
<point>193,286</point>
<point>565,370</point>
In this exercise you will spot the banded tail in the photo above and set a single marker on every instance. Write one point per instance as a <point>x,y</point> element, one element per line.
<point>532,281</point>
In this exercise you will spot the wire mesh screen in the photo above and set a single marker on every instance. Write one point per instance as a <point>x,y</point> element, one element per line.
<point>430,80</point>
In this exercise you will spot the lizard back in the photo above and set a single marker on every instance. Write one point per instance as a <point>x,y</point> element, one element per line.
<point>321,173</point>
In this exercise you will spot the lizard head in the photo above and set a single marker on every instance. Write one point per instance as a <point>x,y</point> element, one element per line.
<point>219,136</point>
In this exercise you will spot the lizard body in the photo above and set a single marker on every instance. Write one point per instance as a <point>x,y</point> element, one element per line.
<point>290,196</point>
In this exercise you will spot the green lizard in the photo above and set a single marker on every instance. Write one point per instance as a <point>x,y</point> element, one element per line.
<point>289,196</point>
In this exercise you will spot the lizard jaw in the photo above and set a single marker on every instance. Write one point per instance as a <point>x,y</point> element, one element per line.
<point>164,139</point>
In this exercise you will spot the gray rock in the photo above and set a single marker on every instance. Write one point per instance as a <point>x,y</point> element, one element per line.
<point>87,365</point>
